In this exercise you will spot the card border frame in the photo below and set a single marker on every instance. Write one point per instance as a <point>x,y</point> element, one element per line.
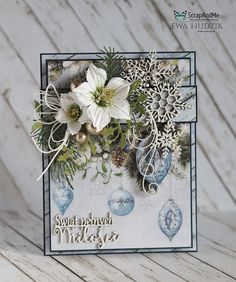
<point>46,177</point>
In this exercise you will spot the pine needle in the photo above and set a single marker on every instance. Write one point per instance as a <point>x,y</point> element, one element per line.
<point>113,63</point>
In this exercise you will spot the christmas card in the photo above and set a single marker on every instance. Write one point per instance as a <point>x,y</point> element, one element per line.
<point>118,136</point>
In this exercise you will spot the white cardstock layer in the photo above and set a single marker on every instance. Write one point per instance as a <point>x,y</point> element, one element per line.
<point>140,228</point>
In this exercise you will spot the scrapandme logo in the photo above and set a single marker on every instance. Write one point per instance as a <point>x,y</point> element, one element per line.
<point>180,16</point>
<point>201,22</point>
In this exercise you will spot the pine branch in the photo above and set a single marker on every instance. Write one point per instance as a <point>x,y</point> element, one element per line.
<point>113,63</point>
<point>184,143</point>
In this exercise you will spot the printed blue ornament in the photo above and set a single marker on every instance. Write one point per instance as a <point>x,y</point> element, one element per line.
<point>62,197</point>
<point>121,202</point>
<point>170,219</point>
<point>151,165</point>
<point>164,168</point>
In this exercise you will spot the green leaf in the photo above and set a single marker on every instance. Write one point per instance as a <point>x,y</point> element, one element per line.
<point>64,148</point>
<point>108,131</point>
<point>134,86</point>
<point>118,174</point>
<point>63,157</point>
<point>92,147</point>
<point>104,169</point>
<point>67,172</point>
<point>36,126</point>
<point>141,98</point>
<point>122,142</point>
<point>36,106</point>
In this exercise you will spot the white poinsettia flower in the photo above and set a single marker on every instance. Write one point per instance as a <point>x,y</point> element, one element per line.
<point>71,113</point>
<point>103,102</point>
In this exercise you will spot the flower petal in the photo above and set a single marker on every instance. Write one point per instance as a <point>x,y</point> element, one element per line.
<point>120,109</point>
<point>66,101</point>
<point>120,86</point>
<point>62,117</point>
<point>100,116</point>
<point>84,94</point>
<point>74,127</point>
<point>84,117</point>
<point>96,77</point>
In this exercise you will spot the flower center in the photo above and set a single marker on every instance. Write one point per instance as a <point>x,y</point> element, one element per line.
<point>74,112</point>
<point>103,96</point>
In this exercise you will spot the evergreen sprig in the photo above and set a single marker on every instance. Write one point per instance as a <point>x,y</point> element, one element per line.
<point>65,166</point>
<point>112,62</point>
<point>184,143</point>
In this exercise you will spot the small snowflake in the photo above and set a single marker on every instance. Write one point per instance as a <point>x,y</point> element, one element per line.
<point>176,154</point>
<point>168,139</point>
